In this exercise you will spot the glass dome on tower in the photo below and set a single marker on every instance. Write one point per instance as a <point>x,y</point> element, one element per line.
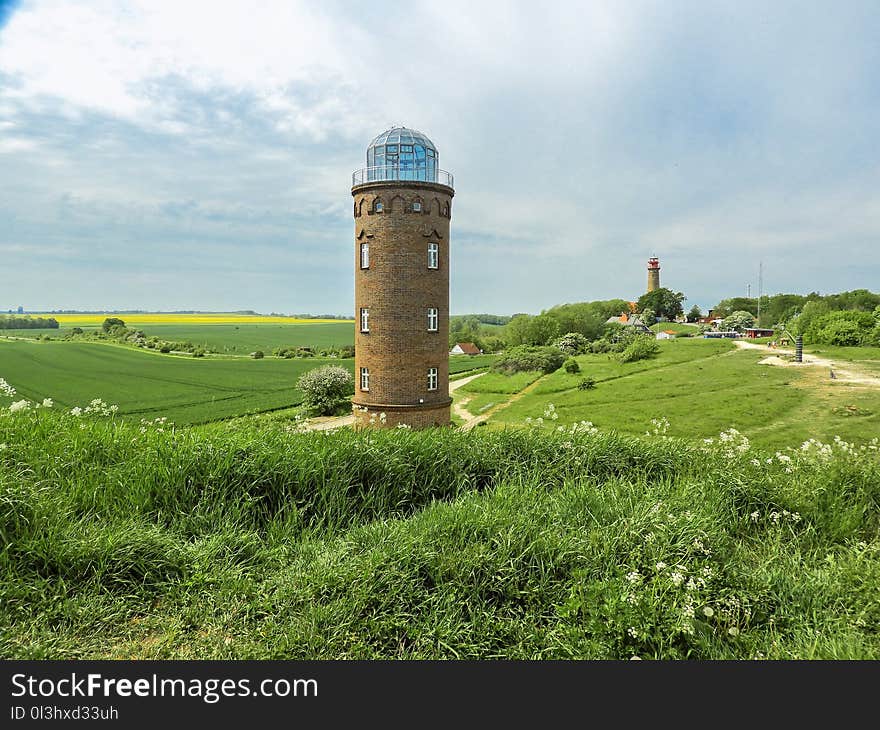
<point>401,153</point>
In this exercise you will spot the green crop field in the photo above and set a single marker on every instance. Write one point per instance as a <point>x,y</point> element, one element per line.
<point>234,339</point>
<point>148,385</point>
<point>703,387</point>
<point>244,338</point>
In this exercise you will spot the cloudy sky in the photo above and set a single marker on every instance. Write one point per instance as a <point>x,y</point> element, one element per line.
<point>198,154</point>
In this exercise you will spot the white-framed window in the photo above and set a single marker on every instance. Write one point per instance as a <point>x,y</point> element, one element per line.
<point>365,255</point>
<point>365,319</point>
<point>365,378</point>
<point>378,206</point>
<point>433,319</point>
<point>433,255</point>
<point>417,207</point>
<point>432,378</point>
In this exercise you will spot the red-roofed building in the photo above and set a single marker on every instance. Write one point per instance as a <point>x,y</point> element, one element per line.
<point>465,348</point>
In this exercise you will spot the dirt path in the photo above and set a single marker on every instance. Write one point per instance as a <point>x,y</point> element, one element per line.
<point>470,420</point>
<point>330,423</point>
<point>850,374</point>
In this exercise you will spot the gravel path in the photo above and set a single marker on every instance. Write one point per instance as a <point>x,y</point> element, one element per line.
<point>850,374</point>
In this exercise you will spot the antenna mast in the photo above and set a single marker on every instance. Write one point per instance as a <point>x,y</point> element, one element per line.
<point>760,289</point>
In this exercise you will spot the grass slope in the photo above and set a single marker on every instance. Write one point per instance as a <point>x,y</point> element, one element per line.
<point>703,387</point>
<point>254,542</point>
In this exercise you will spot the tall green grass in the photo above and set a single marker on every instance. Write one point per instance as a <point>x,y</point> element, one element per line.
<point>250,540</point>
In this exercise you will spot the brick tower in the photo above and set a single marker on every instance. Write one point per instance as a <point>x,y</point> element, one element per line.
<point>402,210</point>
<point>653,273</point>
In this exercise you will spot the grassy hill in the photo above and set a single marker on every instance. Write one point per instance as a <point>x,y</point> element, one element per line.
<point>246,540</point>
<point>702,387</point>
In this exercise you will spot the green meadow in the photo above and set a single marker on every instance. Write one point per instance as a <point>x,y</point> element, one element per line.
<point>703,387</point>
<point>245,540</point>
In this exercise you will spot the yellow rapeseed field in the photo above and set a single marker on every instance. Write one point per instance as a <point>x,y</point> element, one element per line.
<point>71,320</point>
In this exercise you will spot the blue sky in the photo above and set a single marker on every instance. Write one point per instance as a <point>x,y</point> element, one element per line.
<point>198,155</point>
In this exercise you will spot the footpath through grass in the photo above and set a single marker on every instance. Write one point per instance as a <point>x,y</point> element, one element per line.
<point>251,541</point>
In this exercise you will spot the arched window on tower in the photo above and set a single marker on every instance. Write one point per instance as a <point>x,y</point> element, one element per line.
<point>378,206</point>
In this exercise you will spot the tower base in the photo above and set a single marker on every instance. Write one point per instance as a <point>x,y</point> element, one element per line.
<point>377,415</point>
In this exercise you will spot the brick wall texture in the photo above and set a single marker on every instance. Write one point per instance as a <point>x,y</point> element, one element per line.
<point>398,288</point>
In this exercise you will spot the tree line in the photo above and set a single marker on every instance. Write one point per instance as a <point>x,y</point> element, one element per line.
<point>849,318</point>
<point>17,322</point>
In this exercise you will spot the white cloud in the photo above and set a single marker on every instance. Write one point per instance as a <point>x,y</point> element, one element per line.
<point>583,137</point>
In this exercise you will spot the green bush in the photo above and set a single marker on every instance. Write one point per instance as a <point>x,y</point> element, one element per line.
<point>641,348</point>
<point>112,323</point>
<point>258,355</point>
<point>846,328</point>
<point>573,343</point>
<point>326,389</point>
<point>587,383</point>
<point>571,366</point>
<point>738,321</point>
<point>524,357</point>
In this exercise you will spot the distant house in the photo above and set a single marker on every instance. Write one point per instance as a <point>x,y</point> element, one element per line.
<point>666,335</point>
<point>628,320</point>
<point>465,348</point>
<point>753,332</point>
